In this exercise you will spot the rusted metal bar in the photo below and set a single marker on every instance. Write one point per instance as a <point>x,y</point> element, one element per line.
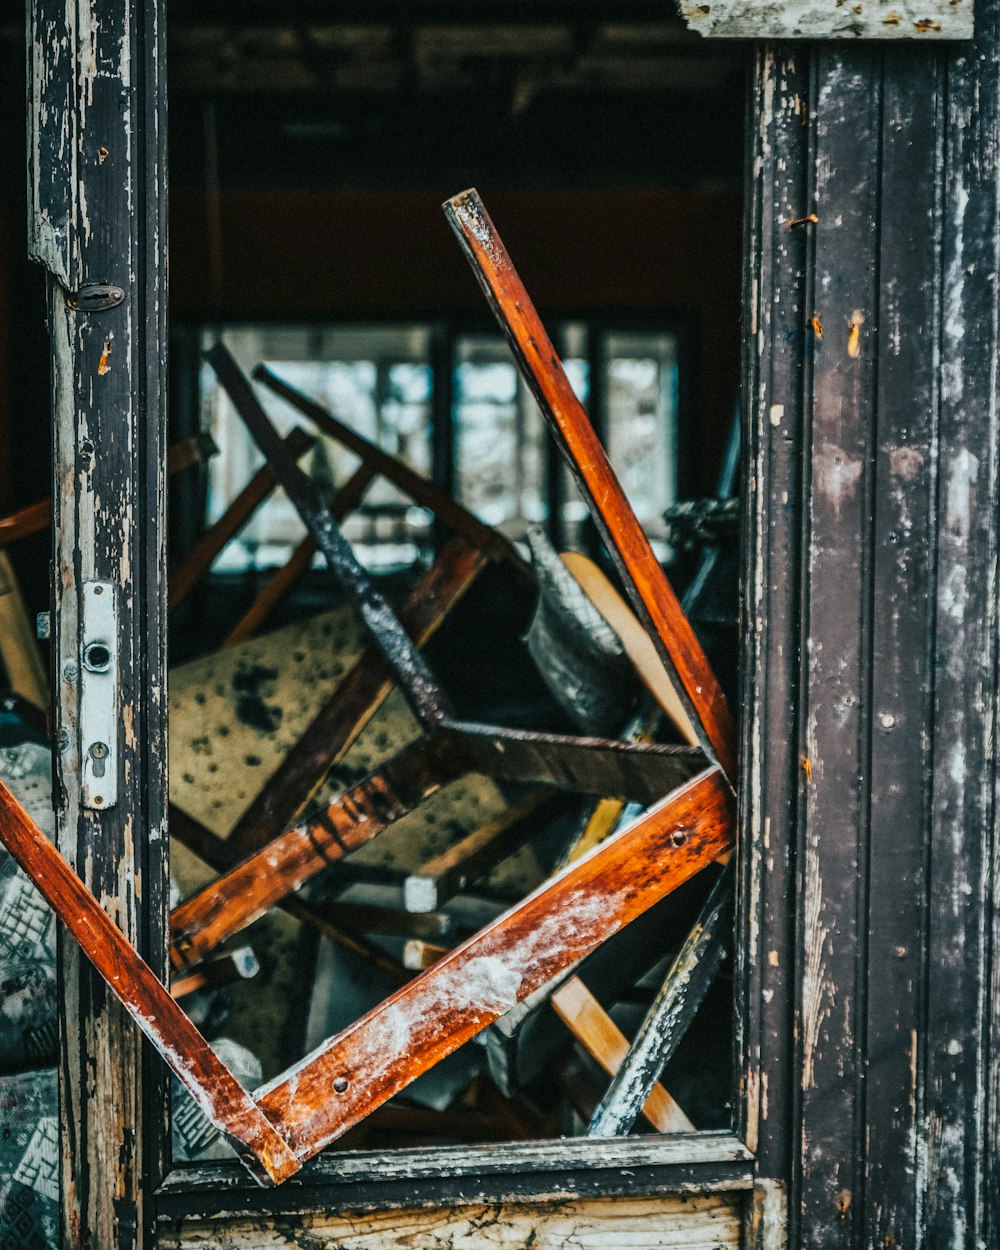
<point>284,580</point>
<point>262,1147</point>
<point>405,662</point>
<point>671,1012</point>
<point>202,555</point>
<point>419,489</point>
<point>652,596</point>
<point>229,904</point>
<point>441,1009</point>
<point>353,703</point>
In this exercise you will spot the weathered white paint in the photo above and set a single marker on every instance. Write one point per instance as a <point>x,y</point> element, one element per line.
<point>694,1223</point>
<point>830,19</point>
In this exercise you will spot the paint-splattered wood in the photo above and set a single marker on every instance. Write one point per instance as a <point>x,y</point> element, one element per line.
<point>405,662</point>
<point>422,491</point>
<point>927,21</point>
<point>711,1222</point>
<point>229,904</point>
<point>353,703</point>
<point>648,588</point>
<point>147,1001</point>
<point>690,976</point>
<point>284,580</point>
<point>199,559</point>
<point>560,923</point>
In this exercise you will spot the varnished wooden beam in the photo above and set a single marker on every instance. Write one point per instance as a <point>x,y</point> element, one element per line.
<point>146,1000</point>
<point>647,586</point>
<point>439,1011</point>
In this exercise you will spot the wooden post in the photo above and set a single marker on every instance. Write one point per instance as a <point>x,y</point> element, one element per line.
<point>97,225</point>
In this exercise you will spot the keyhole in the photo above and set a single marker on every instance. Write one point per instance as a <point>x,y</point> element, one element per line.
<point>99,753</point>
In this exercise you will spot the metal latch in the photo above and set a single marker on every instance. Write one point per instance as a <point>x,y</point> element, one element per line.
<point>99,727</point>
<point>96,297</point>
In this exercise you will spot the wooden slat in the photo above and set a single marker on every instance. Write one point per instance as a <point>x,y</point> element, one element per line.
<point>690,976</point>
<point>202,555</point>
<point>22,660</point>
<point>284,580</point>
<point>404,660</point>
<point>356,699</point>
<point>594,1029</point>
<point>473,856</point>
<point>648,588</point>
<point>146,1000</point>
<point>422,491</point>
<point>229,904</point>
<point>561,922</point>
<point>641,771</point>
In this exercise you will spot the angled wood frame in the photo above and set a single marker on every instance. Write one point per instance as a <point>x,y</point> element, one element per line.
<point>289,1120</point>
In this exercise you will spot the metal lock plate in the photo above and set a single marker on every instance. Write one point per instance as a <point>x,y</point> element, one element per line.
<point>99,727</point>
<point>96,297</point>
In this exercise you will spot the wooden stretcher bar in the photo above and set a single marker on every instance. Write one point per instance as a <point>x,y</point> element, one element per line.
<point>420,489</point>
<point>229,904</point>
<point>284,580</point>
<point>440,1010</point>
<point>219,1095</point>
<point>202,555</point>
<point>641,771</point>
<point>38,516</point>
<point>353,703</point>
<point>651,593</point>
<point>604,1041</point>
<point>407,665</point>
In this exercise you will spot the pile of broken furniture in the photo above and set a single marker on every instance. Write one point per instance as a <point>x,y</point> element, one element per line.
<point>494,903</point>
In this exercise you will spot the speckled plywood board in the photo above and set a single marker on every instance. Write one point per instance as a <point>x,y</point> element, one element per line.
<point>235,715</point>
<point>709,1222</point>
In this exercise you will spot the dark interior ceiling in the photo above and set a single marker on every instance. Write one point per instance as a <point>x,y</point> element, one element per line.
<point>539,94</point>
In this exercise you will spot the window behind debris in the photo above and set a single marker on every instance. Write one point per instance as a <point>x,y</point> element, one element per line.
<point>461,415</point>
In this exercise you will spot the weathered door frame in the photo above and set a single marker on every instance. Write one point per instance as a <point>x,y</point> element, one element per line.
<point>819,753</point>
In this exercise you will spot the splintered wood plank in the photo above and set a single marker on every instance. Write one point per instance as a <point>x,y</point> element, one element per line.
<point>641,771</point>
<point>229,904</point>
<point>354,702</point>
<point>404,660</point>
<point>691,1222</point>
<point>671,1012</point>
<point>651,593</point>
<point>146,1000</point>
<point>284,580</point>
<point>598,1034</point>
<point>200,558</point>
<point>439,1011</point>
<point>26,674</point>
<point>422,491</point>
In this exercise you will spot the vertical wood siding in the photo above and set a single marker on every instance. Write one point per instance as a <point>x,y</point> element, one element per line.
<point>873,380</point>
<point>97,108</point>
